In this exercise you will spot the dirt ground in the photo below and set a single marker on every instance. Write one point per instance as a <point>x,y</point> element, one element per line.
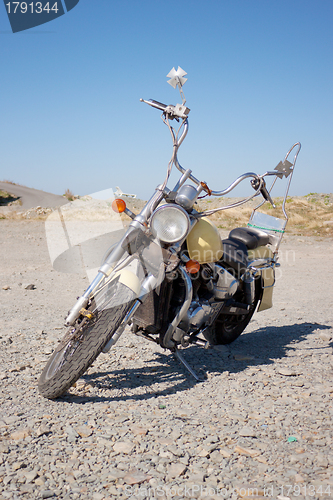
<point>276,379</point>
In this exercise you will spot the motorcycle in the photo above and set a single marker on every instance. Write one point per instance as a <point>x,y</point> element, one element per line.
<point>171,277</point>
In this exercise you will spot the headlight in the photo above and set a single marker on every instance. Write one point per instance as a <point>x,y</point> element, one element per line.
<point>170,223</point>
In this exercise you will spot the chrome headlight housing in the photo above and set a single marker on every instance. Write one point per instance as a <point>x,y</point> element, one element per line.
<point>170,223</point>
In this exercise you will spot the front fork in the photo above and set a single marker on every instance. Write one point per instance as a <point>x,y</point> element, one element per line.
<point>149,284</point>
<point>135,227</point>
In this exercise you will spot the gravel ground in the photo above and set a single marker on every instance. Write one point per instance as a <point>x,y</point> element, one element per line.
<point>137,425</point>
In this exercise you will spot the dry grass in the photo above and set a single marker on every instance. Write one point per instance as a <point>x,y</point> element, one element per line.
<point>310,215</point>
<point>69,195</point>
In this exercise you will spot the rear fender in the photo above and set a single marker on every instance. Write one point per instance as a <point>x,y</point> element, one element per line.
<point>267,280</point>
<point>267,277</point>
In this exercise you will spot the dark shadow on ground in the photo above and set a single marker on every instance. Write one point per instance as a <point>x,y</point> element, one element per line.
<point>260,347</point>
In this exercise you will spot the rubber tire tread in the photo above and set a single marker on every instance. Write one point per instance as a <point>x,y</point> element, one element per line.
<point>96,336</point>
<point>220,336</point>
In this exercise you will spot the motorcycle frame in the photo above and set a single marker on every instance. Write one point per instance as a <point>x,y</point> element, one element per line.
<point>139,224</point>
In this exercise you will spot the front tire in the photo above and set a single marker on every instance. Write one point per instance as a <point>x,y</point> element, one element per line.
<point>81,346</point>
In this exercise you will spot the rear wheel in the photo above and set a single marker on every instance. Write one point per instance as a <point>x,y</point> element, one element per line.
<point>84,342</point>
<point>228,327</point>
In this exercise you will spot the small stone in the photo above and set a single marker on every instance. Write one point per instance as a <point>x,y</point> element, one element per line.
<point>215,457</point>
<point>325,336</point>
<point>247,432</point>
<point>286,372</point>
<point>123,447</point>
<point>165,441</point>
<point>80,383</point>
<point>225,453</point>
<point>18,465</point>
<point>4,448</point>
<point>40,481</point>
<point>246,451</point>
<point>176,470</point>
<point>42,430</point>
<point>115,474</point>
<point>84,431</point>
<point>297,383</point>
<point>47,494</point>
<point>243,357</point>
<point>71,432</point>
<point>197,477</point>
<point>261,460</point>
<point>30,287</point>
<point>136,477</point>
<point>98,496</point>
<point>22,434</point>
<point>178,452</point>
<point>30,476</point>
<point>6,287</point>
<point>321,460</point>
<point>203,453</point>
<point>139,431</point>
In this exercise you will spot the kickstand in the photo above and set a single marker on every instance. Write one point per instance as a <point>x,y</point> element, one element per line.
<point>179,356</point>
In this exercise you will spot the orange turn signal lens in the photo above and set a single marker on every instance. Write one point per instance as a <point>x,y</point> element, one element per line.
<point>118,205</point>
<point>192,266</point>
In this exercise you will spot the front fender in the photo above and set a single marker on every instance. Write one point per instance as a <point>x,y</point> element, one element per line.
<point>129,279</point>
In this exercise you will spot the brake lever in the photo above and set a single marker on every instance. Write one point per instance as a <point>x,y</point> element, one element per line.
<point>177,111</point>
<point>255,183</point>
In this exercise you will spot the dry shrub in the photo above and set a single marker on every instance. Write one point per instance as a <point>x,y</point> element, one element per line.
<point>69,195</point>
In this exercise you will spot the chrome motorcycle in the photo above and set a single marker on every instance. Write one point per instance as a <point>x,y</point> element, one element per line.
<point>171,276</point>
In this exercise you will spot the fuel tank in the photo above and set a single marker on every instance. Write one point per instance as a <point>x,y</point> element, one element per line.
<point>204,243</point>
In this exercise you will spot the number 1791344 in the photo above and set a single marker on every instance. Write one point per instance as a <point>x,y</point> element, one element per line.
<point>32,7</point>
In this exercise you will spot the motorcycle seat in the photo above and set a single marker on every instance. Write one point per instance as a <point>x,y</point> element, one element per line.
<point>235,255</point>
<point>252,238</point>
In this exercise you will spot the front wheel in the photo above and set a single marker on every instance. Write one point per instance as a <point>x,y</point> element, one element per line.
<point>82,344</point>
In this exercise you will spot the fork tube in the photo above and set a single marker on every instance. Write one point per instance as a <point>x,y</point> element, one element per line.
<point>167,341</point>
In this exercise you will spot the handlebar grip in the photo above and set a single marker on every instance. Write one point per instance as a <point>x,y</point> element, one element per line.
<point>155,104</point>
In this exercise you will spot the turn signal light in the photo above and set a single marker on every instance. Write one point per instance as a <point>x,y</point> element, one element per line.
<point>118,205</point>
<point>192,266</point>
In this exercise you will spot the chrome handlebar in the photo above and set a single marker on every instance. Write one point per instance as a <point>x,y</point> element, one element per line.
<point>170,112</point>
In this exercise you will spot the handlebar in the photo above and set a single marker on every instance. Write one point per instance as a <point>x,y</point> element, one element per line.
<point>169,112</point>
<point>177,111</point>
<point>155,104</point>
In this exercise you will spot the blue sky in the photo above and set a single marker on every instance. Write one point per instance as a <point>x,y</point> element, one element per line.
<point>259,79</point>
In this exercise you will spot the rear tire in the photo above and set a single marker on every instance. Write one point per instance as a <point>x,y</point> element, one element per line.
<point>227,328</point>
<point>79,348</point>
